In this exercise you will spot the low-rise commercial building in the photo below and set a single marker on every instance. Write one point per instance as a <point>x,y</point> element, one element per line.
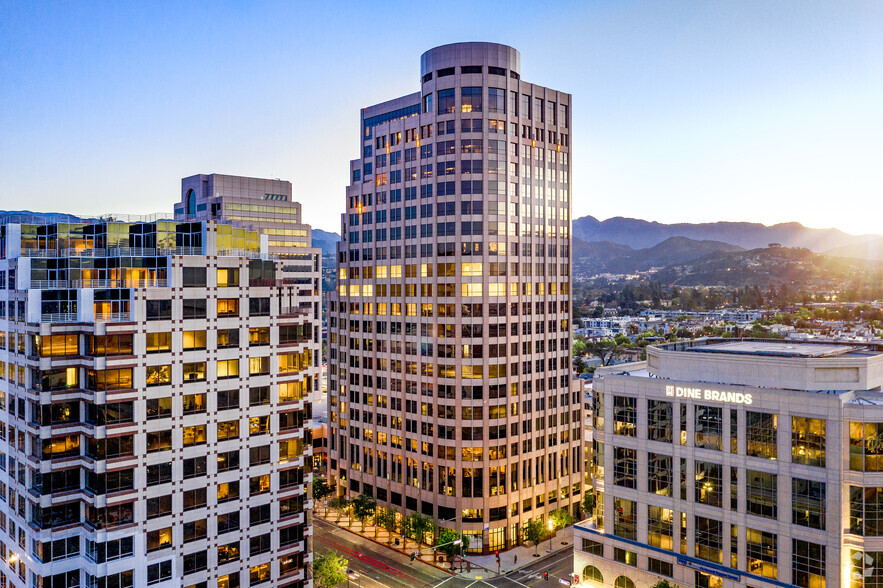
<point>722,463</point>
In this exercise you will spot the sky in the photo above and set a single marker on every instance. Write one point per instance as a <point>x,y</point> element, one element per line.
<point>683,111</point>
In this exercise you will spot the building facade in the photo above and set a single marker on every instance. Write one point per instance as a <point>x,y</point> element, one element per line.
<point>449,365</point>
<point>721,463</point>
<point>267,207</point>
<point>153,383</point>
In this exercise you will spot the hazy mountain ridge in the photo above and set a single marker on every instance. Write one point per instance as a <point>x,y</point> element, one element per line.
<point>641,234</point>
<point>608,257</point>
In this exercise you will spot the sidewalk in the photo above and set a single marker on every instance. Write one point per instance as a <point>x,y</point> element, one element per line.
<point>483,566</point>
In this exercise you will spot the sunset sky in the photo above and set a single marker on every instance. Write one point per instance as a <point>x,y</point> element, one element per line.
<point>683,111</point>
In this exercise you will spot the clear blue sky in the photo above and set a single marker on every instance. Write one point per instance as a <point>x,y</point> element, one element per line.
<point>764,111</point>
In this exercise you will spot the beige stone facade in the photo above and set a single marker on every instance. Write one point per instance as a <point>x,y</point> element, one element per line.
<point>737,463</point>
<point>449,363</point>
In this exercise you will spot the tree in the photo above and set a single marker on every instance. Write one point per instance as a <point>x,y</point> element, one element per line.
<point>389,520</point>
<point>446,545</point>
<point>664,584</point>
<point>321,490</point>
<point>579,348</point>
<point>420,526</point>
<point>533,532</point>
<point>588,503</point>
<point>340,504</point>
<point>406,528</point>
<point>603,349</point>
<point>560,518</point>
<point>329,569</point>
<point>363,508</point>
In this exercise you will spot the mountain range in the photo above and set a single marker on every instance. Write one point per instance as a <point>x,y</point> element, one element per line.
<point>639,234</point>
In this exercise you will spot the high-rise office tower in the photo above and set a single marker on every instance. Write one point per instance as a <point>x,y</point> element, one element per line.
<point>449,333</point>
<point>267,206</point>
<point>153,395</point>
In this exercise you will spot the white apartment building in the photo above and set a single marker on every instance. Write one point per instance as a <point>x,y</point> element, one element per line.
<point>722,463</point>
<point>449,335</point>
<point>153,405</point>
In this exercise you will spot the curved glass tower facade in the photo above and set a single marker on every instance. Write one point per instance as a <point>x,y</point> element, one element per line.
<point>449,361</point>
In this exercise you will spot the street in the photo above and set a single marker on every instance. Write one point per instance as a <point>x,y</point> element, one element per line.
<point>558,565</point>
<point>377,566</point>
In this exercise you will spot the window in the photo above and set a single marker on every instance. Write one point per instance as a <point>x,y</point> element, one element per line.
<point>159,440</point>
<point>258,545</point>
<point>709,483</point>
<point>228,461</point>
<point>228,491</point>
<point>660,527</point>
<point>625,416</point>
<point>158,342</point>
<point>623,582</point>
<point>228,552</point>
<point>194,372</point>
<point>228,368</point>
<point>259,515</point>
<point>629,558</point>
<point>194,562</point>
<point>160,473</point>
<point>159,408</point>
<point>592,574</point>
<point>194,435</point>
<point>807,564</point>
<point>193,340</point>
<point>193,277</point>
<point>709,427</point>
<point>866,447</point>
<point>659,474</point>
<point>259,455</point>
<point>808,503</point>
<point>194,403</point>
<point>259,336</point>
<point>446,101</point>
<point>625,516</point>
<point>228,338</point>
<point>808,441</point>
<point>159,539</point>
<point>657,566</point>
<point>159,572</point>
<point>760,434</point>
<point>158,310</point>
<point>659,421</point>
<point>760,494</point>
<point>259,307</point>
<point>228,277</point>
<point>625,467</point>
<point>762,550</point>
<point>158,375</point>
<point>593,547</point>
<point>228,430</point>
<point>195,498</point>
<point>258,366</point>
<point>496,100</point>
<point>194,308</point>
<point>259,573</point>
<point>470,99</point>
<point>260,395</point>
<point>709,539</point>
<point>866,511</point>
<point>228,306</point>
<point>195,467</point>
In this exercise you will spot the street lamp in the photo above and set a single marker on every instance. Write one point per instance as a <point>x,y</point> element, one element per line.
<point>551,534</point>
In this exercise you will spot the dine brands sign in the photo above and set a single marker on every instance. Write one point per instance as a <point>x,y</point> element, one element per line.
<point>707,394</point>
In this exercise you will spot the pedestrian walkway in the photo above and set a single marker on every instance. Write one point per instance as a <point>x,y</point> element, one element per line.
<point>472,566</point>
<point>484,566</point>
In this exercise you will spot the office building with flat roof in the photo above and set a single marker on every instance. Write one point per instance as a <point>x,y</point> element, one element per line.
<point>727,463</point>
<point>154,382</point>
<point>449,334</point>
<point>268,207</point>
